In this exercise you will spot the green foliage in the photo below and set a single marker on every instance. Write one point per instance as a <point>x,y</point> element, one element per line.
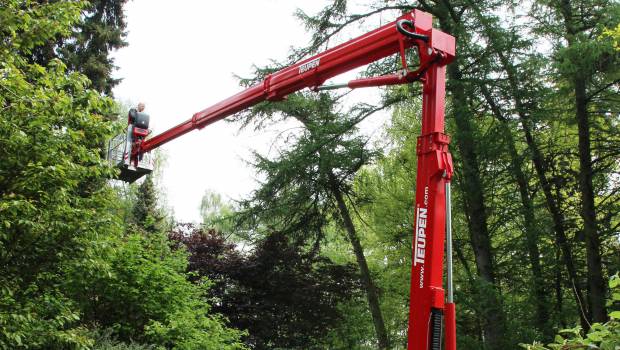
<point>216,213</point>
<point>147,296</point>
<point>51,129</point>
<point>37,319</point>
<point>105,340</point>
<point>67,269</point>
<point>147,214</point>
<point>600,336</point>
<point>86,47</point>
<point>614,35</point>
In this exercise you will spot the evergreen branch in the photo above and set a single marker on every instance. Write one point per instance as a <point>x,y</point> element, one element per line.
<point>352,19</point>
<point>601,89</point>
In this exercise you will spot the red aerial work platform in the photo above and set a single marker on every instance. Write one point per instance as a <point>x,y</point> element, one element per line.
<point>431,308</point>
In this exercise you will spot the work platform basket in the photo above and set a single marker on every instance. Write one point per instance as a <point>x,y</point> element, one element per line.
<point>119,149</point>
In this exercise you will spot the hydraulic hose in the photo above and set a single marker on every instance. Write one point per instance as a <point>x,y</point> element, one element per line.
<point>401,29</point>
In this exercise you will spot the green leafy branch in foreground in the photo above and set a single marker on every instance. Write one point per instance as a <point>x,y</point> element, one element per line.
<point>601,336</point>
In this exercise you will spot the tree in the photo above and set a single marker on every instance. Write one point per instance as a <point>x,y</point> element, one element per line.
<point>216,213</point>
<point>146,211</point>
<point>310,182</point>
<point>144,294</point>
<point>51,127</point>
<point>284,297</point>
<point>86,50</point>
<point>587,76</point>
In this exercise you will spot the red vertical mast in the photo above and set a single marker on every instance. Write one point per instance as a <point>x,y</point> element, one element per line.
<point>427,300</point>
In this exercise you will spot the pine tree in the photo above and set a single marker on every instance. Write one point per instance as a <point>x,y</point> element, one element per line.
<point>87,49</point>
<point>311,181</point>
<point>146,212</point>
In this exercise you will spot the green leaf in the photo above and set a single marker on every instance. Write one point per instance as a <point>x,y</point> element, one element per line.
<point>614,282</point>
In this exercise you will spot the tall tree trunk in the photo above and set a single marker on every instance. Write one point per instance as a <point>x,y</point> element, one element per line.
<point>559,299</point>
<point>366,279</point>
<point>558,220</point>
<point>529,220</point>
<point>596,282</point>
<point>494,323</point>
<point>471,185</point>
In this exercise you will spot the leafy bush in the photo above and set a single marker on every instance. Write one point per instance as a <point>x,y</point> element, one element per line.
<point>600,336</point>
<point>285,297</point>
<point>105,340</point>
<point>144,295</point>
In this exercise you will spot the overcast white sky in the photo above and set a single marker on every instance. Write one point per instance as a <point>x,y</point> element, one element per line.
<point>181,59</point>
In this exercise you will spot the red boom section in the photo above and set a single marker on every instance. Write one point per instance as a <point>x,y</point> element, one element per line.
<point>311,72</point>
<point>434,170</point>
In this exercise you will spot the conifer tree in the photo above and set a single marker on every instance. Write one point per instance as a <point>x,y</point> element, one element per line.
<point>311,181</point>
<point>87,50</point>
<point>589,68</point>
<point>146,212</point>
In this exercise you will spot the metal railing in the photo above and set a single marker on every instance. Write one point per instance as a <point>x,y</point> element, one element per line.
<point>118,153</point>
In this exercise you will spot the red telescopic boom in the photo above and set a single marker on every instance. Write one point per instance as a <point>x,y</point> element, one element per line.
<point>314,71</point>
<point>430,313</point>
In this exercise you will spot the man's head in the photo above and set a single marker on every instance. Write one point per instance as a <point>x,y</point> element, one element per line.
<point>140,106</point>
